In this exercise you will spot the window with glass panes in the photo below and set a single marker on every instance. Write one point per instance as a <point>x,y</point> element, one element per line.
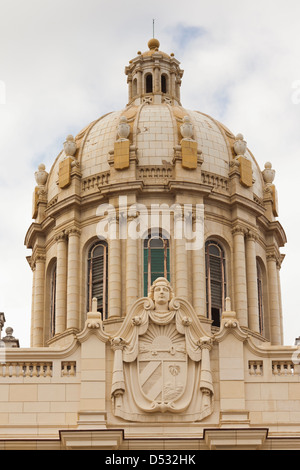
<point>215,281</point>
<point>98,277</point>
<point>156,260</point>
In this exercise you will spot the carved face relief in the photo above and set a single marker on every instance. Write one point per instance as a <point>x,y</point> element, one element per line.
<point>161,297</point>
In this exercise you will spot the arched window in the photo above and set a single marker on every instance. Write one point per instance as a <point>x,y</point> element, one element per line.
<point>156,259</point>
<point>164,84</point>
<point>52,300</point>
<point>97,277</point>
<point>260,297</point>
<point>134,87</point>
<point>149,83</point>
<point>215,281</point>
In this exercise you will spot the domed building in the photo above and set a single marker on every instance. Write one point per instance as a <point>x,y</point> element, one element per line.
<point>156,301</point>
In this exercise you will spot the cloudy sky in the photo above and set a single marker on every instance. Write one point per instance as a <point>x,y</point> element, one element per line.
<point>62,66</point>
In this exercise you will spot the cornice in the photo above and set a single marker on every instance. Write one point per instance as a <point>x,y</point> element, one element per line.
<point>237,199</point>
<point>41,353</point>
<point>36,229</point>
<point>66,204</point>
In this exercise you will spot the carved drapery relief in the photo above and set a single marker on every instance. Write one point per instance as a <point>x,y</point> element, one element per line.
<point>162,361</point>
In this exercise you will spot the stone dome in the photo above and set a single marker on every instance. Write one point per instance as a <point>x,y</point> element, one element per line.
<point>154,133</point>
<point>154,113</point>
<point>156,153</point>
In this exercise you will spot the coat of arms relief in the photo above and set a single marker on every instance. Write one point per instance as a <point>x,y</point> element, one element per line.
<point>162,361</point>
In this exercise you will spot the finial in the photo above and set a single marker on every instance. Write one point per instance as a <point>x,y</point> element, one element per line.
<point>240,145</point>
<point>41,175</point>
<point>187,128</point>
<point>94,304</point>
<point>268,173</point>
<point>123,128</point>
<point>153,44</point>
<point>227,304</point>
<point>70,146</point>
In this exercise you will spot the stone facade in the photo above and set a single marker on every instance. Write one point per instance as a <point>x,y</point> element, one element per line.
<point>154,369</point>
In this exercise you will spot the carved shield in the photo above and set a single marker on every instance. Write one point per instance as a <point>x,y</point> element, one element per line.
<point>162,365</point>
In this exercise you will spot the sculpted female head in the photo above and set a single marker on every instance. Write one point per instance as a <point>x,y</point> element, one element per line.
<point>161,294</point>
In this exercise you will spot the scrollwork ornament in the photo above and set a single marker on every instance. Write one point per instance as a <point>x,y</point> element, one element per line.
<point>149,304</point>
<point>174,304</point>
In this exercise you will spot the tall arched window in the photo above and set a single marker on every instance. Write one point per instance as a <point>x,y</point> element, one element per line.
<point>134,87</point>
<point>52,300</point>
<point>156,259</point>
<point>215,281</point>
<point>149,83</point>
<point>164,84</point>
<point>98,277</point>
<point>260,297</point>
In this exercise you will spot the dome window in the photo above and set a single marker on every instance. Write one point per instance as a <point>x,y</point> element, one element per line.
<point>156,260</point>
<point>215,281</point>
<point>149,83</point>
<point>134,87</point>
<point>164,83</point>
<point>98,277</point>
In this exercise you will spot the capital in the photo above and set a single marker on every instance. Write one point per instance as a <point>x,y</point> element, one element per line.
<point>205,343</point>
<point>60,237</point>
<point>118,343</point>
<point>252,236</point>
<point>73,231</point>
<point>238,230</point>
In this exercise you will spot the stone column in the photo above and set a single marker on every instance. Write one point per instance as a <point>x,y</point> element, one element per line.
<point>139,82</point>
<point>156,84</point>
<point>181,263</point>
<point>32,264</point>
<point>39,301</point>
<point>129,81</point>
<point>114,273</point>
<point>252,290</point>
<point>199,286</point>
<point>73,282</point>
<point>240,285</point>
<point>131,270</point>
<point>280,300</point>
<point>61,284</point>
<point>172,83</point>
<point>273,298</point>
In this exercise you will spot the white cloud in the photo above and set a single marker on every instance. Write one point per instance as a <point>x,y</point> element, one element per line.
<point>62,64</point>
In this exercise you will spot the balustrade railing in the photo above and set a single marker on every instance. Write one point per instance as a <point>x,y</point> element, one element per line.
<point>37,370</point>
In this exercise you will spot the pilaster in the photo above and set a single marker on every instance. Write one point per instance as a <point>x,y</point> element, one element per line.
<point>73,283</point>
<point>114,272</point>
<point>240,282</point>
<point>92,403</point>
<point>273,288</point>
<point>132,274</point>
<point>61,283</point>
<point>181,260</point>
<point>252,289</point>
<point>39,299</point>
